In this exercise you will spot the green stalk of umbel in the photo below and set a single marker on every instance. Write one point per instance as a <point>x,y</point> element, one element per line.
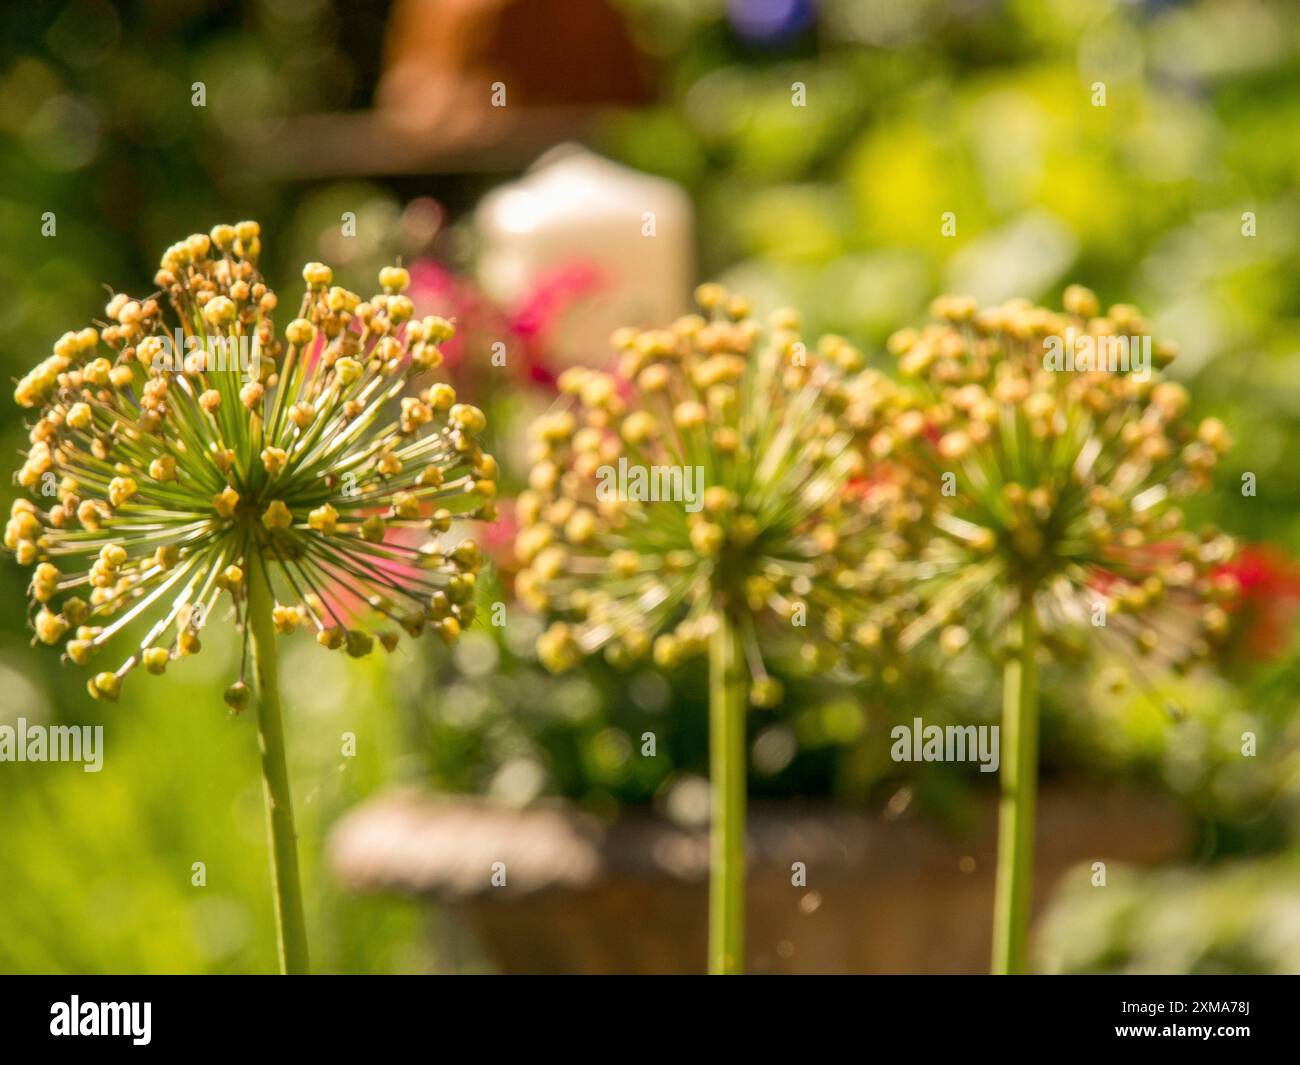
<point>1019,785</point>
<point>291,930</point>
<point>728,700</point>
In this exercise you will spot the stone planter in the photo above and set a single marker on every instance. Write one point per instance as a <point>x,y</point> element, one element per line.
<point>881,895</point>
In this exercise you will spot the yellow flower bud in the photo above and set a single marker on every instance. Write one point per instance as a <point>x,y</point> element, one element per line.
<point>468,419</point>
<point>707,538</point>
<point>155,659</point>
<point>394,278</point>
<point>105,686</point>
<point>224,502</point>
<point>348,370</point>
<point>79,416</point>
<point>317,275</point>
<point>302,414</point>
<point>277,515</point>
<point>274,459</point>
<point>300,332</point>
<point>438,330</point>
<point>331,638</point>
<point>324,519</point>
<point>406,506</point>
<point>219,310</point>
<point>121,489</point>
<point>50,627</point>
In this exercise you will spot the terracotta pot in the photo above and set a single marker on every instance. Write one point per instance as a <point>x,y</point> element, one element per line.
<point>550,890</point>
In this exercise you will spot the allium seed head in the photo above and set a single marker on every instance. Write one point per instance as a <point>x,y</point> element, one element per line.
<point>172,479</point>
<point>1057,478</point>
<point>708,474</point>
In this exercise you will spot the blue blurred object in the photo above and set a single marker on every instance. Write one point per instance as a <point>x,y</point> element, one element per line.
<point>770,22</point>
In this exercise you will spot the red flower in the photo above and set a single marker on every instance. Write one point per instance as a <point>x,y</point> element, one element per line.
<point>436,290</point>
<point>555,292</point>
<point>528,331</point>
<point>1269,596</point>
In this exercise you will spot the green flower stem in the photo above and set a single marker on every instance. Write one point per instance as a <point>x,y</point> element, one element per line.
<point>291,929</point>
<point>727,703</point>
<point>1011,906</point>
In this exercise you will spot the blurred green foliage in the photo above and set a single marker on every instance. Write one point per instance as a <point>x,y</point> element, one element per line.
<point>98,870</point>
<point>988,111</point>
<point>1239,917</point>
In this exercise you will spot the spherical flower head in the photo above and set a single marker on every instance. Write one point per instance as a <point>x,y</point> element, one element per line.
<point>175,458</point>
<point>707,474</point>
<point>1052,456</point>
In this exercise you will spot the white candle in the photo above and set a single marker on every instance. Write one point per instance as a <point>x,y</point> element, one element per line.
<point>575,208</point>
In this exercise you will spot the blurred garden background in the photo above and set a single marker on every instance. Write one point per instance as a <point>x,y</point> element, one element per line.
<point>803,151</point>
